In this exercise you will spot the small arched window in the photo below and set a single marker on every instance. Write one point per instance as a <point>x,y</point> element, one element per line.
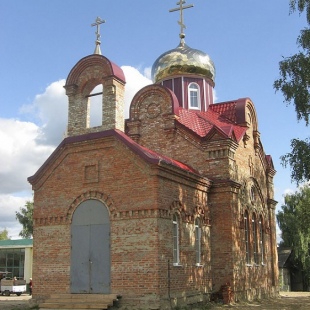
<point>193,96</point>
<point>252,193</point>
<point>176,249</point>
<point>246,237</point>
<point>198,241</point>
<point>95,107</point>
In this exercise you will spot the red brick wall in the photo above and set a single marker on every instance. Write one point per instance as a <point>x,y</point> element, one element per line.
<point>233,167</point>
<point>142,196</point>
<point>141,199</point>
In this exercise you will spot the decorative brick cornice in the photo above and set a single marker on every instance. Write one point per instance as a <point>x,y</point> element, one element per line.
<point>224,185</point>
<point>272,204</point>
<point>49,221</point>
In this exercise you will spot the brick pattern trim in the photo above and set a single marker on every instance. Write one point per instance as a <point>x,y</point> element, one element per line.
<point>111,69</point>
<point>200,211</point>
<point>146,92</point>
<point>104,198</point>
<point>67,219</point>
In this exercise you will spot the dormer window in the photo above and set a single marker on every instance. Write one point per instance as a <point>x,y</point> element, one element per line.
<point>194,96</point>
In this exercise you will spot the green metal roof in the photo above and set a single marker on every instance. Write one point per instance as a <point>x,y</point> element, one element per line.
<point>16,243</point>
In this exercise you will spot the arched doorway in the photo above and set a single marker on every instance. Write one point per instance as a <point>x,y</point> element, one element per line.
<point>90,248</point>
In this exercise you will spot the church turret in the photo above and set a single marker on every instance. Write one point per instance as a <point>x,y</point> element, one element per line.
<point>90,72</point>
<point>188,72</point>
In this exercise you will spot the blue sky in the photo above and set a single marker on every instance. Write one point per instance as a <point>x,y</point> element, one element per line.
<point>42,40</point>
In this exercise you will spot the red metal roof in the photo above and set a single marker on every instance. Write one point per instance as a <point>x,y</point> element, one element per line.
<point>148,155</point>
<point>221,117</point>
<point>226,110</point>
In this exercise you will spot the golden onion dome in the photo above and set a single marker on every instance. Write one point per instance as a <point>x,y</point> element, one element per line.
<point>183,60</point>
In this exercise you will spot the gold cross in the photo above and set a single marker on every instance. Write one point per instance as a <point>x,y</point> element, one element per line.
<point>181,21</point>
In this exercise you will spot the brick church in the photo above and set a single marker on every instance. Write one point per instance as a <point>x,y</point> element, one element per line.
<point>170,207</point>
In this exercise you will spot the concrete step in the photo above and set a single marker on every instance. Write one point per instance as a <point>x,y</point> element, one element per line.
<point>93,306</point>
<point>79,301</point>
<point>84,296</point>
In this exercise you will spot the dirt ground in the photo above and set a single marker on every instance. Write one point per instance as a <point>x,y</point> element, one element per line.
<point>286,301</point>
<point>15,302</point>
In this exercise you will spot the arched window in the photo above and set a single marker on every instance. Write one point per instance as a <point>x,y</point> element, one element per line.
<point>198,241</point>
<point>193,96</point>
<point>255,239</point>
<point>252,193</point>
<point>246,237</point>
<point>261,239</point>
<point>176,249</point>
<point>95,106</point>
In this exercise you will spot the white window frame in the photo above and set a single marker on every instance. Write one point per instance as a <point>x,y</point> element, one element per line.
<point>261,240</point>
<point>247,239</point>
<point>191,91</point>
<point>255,239</point>
<point>198,241</point>
<point>176,240</point>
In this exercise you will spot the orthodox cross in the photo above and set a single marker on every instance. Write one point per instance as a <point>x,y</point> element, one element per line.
<point>97,23</point>
<point>181,21</point>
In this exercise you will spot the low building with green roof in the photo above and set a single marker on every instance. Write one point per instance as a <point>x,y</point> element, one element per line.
<point>16,258</point>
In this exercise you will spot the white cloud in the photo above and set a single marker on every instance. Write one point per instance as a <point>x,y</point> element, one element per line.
<point>20,154</point>
<point>289,191</point>
<point>26,145</point>
<point>51,109</point>
<point>134,82</point>
<point>147,72</point>
<point>215,98</point>
<point>20,157</point>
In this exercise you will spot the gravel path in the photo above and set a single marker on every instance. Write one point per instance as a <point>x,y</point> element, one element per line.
<point>286,301</point>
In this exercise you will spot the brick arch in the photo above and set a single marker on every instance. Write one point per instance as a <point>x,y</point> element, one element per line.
<point>107,68</point>
<point>177,207</point>
<point>203,213</point>
<point>104,198</point>
<point>251,109</point>
<point>199,210</point>
<point>245,106</point>
<point>258,189</point>
<point>145,92</point>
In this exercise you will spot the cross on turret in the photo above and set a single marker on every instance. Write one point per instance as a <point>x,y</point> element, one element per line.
<point>97,23</point>
<point>181,21</point>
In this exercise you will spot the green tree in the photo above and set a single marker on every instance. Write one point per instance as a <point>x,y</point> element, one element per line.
<point>293,220</point>
<point>294,84</point>
<point>4,234</point>
<point>25,217</point>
